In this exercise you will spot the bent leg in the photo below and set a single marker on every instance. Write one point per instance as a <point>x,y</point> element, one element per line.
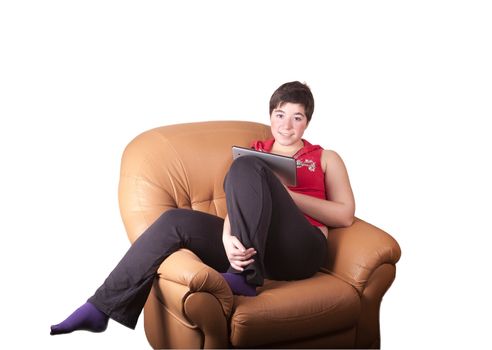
<point>264,216</point>
<point>125,291</point>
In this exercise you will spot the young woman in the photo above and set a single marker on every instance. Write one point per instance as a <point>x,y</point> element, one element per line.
<point>271,230</point>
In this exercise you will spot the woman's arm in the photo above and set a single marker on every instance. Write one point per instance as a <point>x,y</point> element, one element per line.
<point>239,257</point>
<point>339,208</point>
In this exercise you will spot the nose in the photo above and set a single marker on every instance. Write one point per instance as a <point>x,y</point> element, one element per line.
<point>287,123</point>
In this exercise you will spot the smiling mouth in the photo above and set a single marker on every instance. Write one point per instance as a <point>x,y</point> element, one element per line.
<point>286,134</point>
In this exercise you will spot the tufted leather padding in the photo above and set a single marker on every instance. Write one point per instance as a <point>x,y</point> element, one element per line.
<point>179,166</point>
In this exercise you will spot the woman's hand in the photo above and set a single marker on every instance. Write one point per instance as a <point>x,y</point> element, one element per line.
<point>239,257</point>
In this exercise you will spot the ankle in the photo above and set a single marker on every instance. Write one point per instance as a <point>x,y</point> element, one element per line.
<point>239,284</point>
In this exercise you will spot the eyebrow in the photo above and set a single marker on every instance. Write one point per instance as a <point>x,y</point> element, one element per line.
<point>279,110</point>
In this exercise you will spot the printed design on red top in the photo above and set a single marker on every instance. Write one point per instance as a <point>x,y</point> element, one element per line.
<point>310,164</point>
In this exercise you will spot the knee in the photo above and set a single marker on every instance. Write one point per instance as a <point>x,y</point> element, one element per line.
<point>171,216</point>
<point>164,232</point>
<point>247,164</point>
<point>243,168</point>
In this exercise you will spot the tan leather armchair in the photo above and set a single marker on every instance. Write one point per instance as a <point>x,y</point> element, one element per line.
<point>191,306</point>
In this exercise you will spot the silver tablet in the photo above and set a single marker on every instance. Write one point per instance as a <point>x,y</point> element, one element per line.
<point>284,167</point>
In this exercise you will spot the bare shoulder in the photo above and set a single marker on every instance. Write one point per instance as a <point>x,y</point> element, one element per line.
<point>331,161</point>
<point>337,180</point>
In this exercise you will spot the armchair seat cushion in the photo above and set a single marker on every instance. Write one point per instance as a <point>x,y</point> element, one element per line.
<point>290,310</point>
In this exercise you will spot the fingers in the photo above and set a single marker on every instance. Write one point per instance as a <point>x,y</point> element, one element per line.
<point>240,249</point>
<point>243,263</point>
<point>237,243</point>
<point>239,257</point>
<point>240,264</point>
<point>242,255</point>
<point>236,267</point>
<point>239,260</point>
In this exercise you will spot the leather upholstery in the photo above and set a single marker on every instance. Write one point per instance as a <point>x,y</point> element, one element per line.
<point>179,166</point>
<point>284,309</point>
<point>191,306</point>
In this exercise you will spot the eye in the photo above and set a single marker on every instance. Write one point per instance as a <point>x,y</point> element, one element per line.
<point>280,115</point>
<point>298,119</point>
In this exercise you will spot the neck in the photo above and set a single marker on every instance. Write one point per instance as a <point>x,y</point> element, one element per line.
<point>288,150</point>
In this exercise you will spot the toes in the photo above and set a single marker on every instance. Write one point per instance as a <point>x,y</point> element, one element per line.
<point>54,330</point>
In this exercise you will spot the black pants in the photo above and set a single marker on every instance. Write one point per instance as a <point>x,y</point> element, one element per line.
<point>262,215</point>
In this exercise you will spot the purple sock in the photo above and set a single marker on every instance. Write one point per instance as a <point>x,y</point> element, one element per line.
<point>87,318</point>
<point>238,284</point>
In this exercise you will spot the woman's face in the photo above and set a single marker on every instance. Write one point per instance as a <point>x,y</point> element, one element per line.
<point>288,123</point>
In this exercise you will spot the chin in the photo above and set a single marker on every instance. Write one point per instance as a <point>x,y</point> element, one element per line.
<point>286,143</point>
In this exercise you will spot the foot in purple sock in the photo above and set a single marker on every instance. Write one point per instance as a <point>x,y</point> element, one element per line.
<point>238,284</point>
<point>87,318</point>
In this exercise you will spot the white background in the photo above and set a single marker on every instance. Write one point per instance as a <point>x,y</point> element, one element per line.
<point>402,90</point>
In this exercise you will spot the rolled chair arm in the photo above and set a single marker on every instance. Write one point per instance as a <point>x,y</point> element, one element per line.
<point>355,252</point>
<point>189,274</point>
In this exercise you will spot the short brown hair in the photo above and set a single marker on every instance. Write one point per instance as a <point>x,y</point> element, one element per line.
<point>293,92</point>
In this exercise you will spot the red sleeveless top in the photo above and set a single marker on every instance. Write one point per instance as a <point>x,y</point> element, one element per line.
<point>310,175</point>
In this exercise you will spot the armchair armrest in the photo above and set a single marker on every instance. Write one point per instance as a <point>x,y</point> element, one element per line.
<point>355,252</point>
<point>189,275</point>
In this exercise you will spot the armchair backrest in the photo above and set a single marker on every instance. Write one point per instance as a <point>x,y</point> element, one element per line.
<point>179,166</point>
